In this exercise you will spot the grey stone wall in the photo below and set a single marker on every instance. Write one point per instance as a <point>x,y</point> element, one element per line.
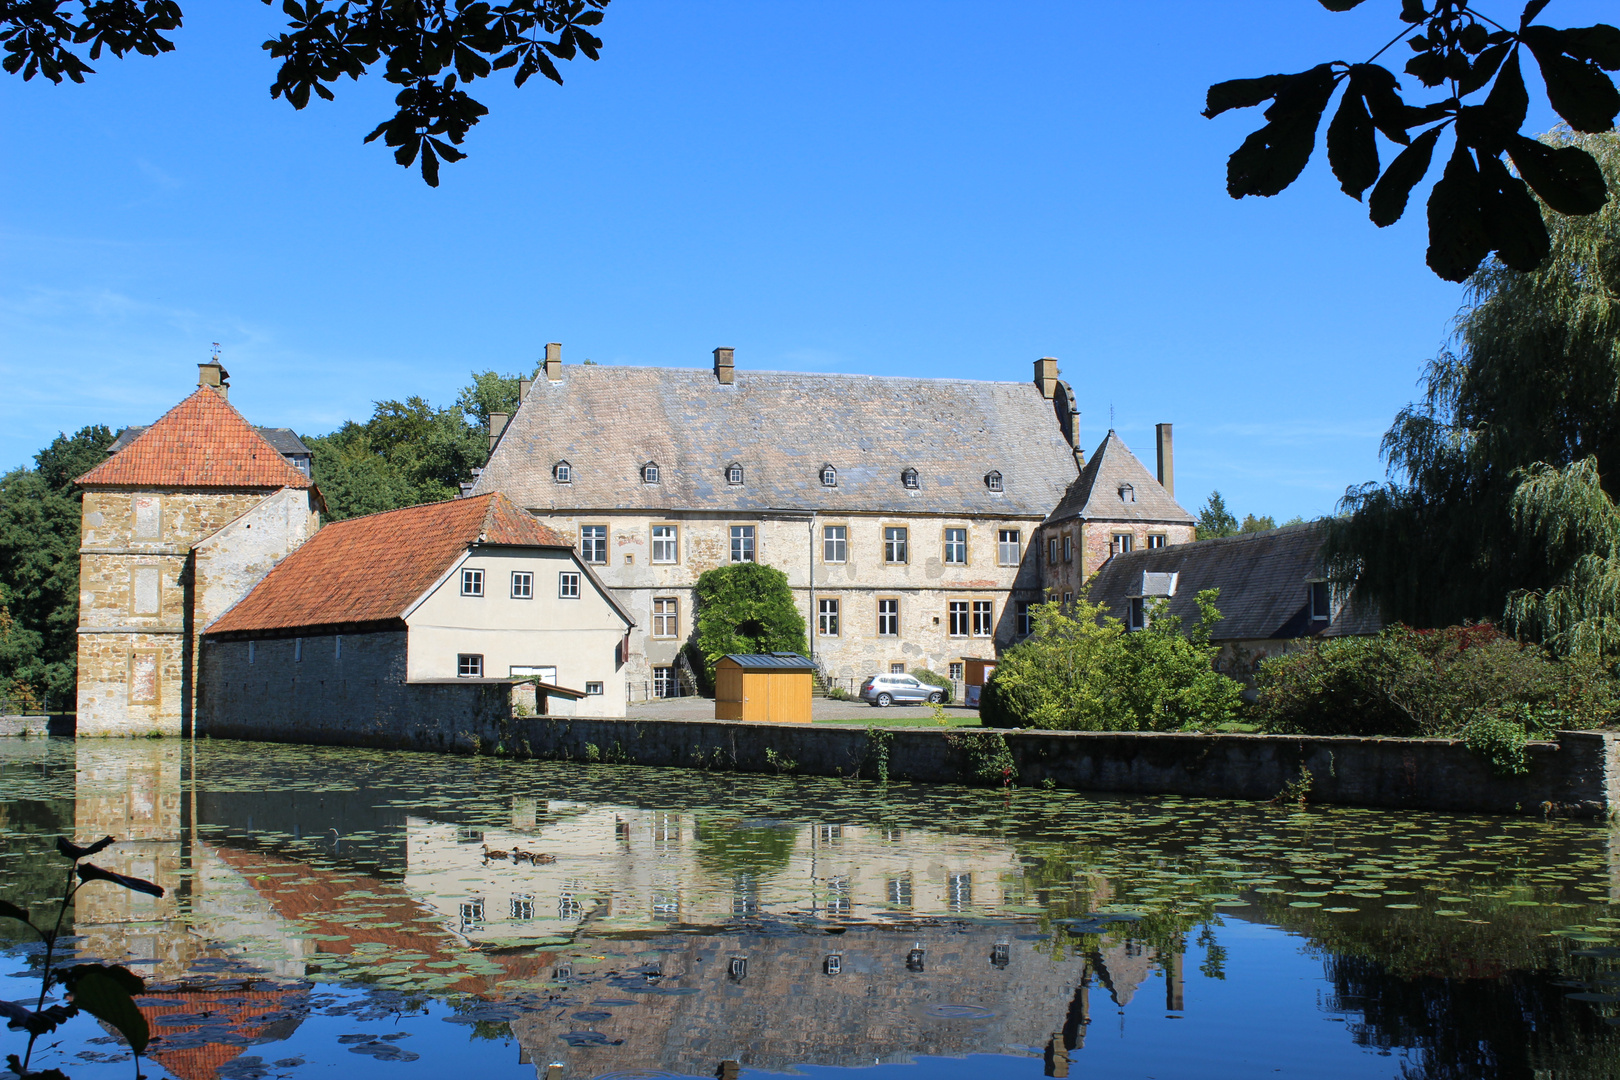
<point>356,698</point>
<point>1579,775</point>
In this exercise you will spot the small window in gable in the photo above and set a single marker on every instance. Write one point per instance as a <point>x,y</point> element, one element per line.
<point>1321,602</point>
<point>992,480</point>
<point>563,472</point>
<point>829,476</point>
<point>1127,493</point>
<point>734,473</point>
<point>649,473</point>
<point>909,479</point>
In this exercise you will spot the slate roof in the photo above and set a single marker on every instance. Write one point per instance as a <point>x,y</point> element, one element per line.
<point>284,439</point>
<point>371,569</point>
<point>779,661</point>
<point>607,422</point>
<point>203,442</point>
<point>1262,577</point>
<point>1095,495</point>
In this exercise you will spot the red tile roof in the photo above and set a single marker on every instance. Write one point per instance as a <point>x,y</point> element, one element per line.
<point>370,569</point>
<point>203,442</point>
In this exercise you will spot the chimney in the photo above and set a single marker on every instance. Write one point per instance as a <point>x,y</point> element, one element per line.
<point>523,390</point>
<point>554,361</point>
<point>1046,376</point>
<point>1167,464</point>
<point>497,424</point>
<point>214,375</point>
<point>724,370</point>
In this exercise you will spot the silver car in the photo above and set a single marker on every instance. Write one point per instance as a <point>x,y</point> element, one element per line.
<point>881,691</point>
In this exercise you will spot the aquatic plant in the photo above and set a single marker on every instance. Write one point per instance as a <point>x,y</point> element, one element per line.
<point>105,991</point>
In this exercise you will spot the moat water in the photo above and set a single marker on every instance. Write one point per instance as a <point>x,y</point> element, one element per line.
<point>398,914</point>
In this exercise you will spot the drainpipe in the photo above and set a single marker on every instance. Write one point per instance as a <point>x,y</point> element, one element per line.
<point>810,577</point>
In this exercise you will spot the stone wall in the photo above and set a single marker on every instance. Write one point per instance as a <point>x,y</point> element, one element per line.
<point>311,690</point>
<point>1579,775</point>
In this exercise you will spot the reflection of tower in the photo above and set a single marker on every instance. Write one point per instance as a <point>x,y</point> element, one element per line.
<point>1073,1035</point>
<point>1174,983</point>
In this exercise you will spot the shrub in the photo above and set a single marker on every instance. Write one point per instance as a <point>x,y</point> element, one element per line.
<point>1081,671</point>
<point>1460,681</point>
<point>746,608</point>
<point>934,678</point>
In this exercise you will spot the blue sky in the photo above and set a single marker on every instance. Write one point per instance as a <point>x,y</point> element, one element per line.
<point>928,188</point>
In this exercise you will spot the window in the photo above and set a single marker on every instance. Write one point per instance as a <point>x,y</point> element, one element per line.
<point>1127,493</point>
<point>664,684</point>
<point>982,622</point>
<point>472,582</point>
<point>1155,541</point>
<point>894,545</point>
<point>666,617</point>
<point>649,473</point>
<point>1068,599</point>
<point>1123,542</point>
<point>470,666</point>
<point>523,906</point>
<point>148,517</point>
<point>1008,551</point>
<point>834,543</point>
<point>960,891</point>
<point>1138,617</point>
<point>827,618</point>
<point>1068,548</point>
<point>957,618</point>
<point>666,544</point>
<point>337,647</point>
<point>568,585</point>
<point>909,480</point>
<point>992,480</point>
<point>545,674</point>
<point>1026,621</point>
<point>956,670</point>
<point>889,618</point>
<point>742,543</point>
<point>251,651</point>
<point>1051,550</point>
<point>897,669</point>
<point>956,547</point>
<point>472,912</point>
<point>829,476</point>
<point>1321,601</point>
<point>146,590</point>
<point>522,585</point>
<point>593,543</point>
<point>563,472</point>
<point>144,684</point>
<point>593,688</point>
<point>734,473</point>
<point>298,650</point>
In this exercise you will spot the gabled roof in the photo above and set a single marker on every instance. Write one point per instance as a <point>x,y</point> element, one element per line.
<point>781,427</point>
<point>780,661</point>
<point>1095,496</point>
<point>372,569</point>
<point>284,439</point>
<point>1263,578</point>
<point>203,442</point>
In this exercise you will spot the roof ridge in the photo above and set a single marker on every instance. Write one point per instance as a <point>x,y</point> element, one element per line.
<point>745,372</point>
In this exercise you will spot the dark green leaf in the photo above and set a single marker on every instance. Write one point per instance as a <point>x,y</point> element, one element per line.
<point>1457,239</point>
<point>1388,200</point>
<point>1483,67</point>
<point>1413,11</point>
<point>1390,114</point>
<point>74,851</point>
<point>1512,216</point>
<point>1273,157</point>
<point>430,164</point>
<point>1352,145</point>
<point>1565,178</point>
<point>132,983</point>
<point>1531,10</point>
<point>107,997</point>
<point>1429,67</point>
<point>1599,44</point>
<point>1474,37</point>
<point>12,911</point>
<point>1241,93</point>
<point>19,1017</point>
<point>92,872</point>
<point>1508,99</point>
<point>1579,90</point>
<point>1340,5</point>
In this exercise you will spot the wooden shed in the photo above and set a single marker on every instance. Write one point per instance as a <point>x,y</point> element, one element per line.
<point>771,686</point>
<point>975,673</point>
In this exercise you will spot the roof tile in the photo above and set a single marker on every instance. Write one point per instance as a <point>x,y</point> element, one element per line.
<point>1095,496</point>
<point>203,442</point>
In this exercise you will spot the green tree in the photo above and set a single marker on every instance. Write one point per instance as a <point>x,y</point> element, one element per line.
<point>1215,520</point>
<point>39,565</point>
<point>746,608</point>
<point>430,50</point>
<point>1478,206</point>
<point>1252,524</point>
<point>1503,489</point>
<point>1081,671</point>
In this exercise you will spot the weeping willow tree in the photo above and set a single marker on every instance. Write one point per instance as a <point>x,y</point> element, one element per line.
<point>1502,506</point>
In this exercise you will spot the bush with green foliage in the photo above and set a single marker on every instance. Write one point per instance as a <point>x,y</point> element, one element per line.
<point>934,678</point>
<point>1463,681</point>
<point>1081,671</point>
<point>746,608</point>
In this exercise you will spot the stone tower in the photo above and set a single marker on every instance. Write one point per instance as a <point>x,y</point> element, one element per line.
<point>178,525</point>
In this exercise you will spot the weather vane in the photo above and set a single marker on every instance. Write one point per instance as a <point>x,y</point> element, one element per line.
<point>215,352</point>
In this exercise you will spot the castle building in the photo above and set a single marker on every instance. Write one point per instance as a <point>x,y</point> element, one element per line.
<point>903,511</point>
<point>177,526</point>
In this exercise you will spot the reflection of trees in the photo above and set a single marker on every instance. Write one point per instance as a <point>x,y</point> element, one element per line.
<point>727,846</point>
<point>28,832</point>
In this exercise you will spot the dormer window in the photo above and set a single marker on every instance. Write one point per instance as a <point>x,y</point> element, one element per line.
<point>649,473</point>
<point>1321,600</point>
<point>829,476</point>
<point>909,479</point>
<point>563,472</point>
<point>1127,493</point>
<point>992,480</point>
<point>734,474</point>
